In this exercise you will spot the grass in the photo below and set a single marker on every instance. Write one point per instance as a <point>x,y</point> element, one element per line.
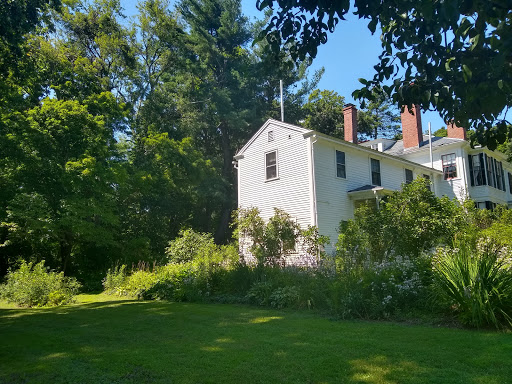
<point>105,340</point>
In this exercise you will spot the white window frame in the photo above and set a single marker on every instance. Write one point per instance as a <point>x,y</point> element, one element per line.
<point>371,172</point>
<point>446,165</point>
<point>336,164</point>
<point>276,165</point>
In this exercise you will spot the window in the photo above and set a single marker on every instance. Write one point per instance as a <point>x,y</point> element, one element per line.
<point>449,166</point>
<point>270,136</point>
<point>375,165</point>
<point>477,169</point>
<point>271,165</point>
<point>340,164</point>
<point>509,182</point>
<point>409,177</point>
<point>427,177</point>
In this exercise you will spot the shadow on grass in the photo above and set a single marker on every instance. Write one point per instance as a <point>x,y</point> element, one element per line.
<point>158,342</point>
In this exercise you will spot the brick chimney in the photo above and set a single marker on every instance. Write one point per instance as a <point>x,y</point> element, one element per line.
<point>455,132</point>
<point>350,123</point>
<point>411,127</point>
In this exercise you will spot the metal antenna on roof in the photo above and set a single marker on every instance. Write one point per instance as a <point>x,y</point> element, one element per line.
<point>430,145</point>
<point>282,104</point>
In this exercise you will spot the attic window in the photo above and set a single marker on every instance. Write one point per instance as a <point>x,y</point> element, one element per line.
<point>271,165</point>
<point>270,136</point>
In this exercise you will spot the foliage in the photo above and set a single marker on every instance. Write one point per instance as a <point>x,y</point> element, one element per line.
<point>114,279</point>
<point>324,112</point>
<point>190,245</point>
<point>270,242</point>
<point>477,283</point>
<point>196,269</point>
<point>410,221</point>
<point>441,132</point>
<point>32,285</point>
<point>386,288</point>
<point>379,118</point>
<point>436,54</point>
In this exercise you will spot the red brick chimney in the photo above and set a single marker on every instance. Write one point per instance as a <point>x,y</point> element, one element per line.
<point>455,132</point>
<point>350,123</point>
<point>411,127</point>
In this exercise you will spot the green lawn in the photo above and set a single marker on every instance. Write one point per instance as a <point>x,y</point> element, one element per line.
<point>104,340</point>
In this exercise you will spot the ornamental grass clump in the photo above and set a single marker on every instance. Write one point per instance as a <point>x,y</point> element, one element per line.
<point>34,286</point>
<point>477,283</point>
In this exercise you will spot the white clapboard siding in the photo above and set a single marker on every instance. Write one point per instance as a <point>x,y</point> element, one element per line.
<point>452,188</point>
<point>291,191</point>
<point>333,202</point>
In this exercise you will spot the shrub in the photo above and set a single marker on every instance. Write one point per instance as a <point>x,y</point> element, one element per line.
<point>286,297</point>
<point>411,221</point>
<point>260,293</point>
<point>378,289</point>
<point>190,245</point>
<point>477,283</point>
<point>32,285</point>
<point>139,282</point>
<point>114,280</point>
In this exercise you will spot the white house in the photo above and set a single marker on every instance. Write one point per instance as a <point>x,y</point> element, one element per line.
<point>319,180</point>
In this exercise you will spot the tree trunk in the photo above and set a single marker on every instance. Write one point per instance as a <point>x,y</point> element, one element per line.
<point>65,246</point>
<point>223,231</point>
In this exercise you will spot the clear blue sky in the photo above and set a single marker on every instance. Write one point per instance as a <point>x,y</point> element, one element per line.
<point>349,54</point>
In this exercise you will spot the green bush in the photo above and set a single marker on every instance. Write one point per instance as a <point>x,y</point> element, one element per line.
<point>32,285</point>
<point>370,289</point>
<point>476,283</point>
<point>411,221</point>
<point>197,269</point>
<point>189,246</point>
<point>139,282</point>
<point>115,280</point>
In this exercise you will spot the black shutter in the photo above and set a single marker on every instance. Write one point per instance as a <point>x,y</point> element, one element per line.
<point>483,167</point>
<point>471,176</point>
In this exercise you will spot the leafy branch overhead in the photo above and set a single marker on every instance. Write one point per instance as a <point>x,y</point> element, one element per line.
<point>451,56</point>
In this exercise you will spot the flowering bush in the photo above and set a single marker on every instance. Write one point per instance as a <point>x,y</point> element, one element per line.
<point>379,289</point>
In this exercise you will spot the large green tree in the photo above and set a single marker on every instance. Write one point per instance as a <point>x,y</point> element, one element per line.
<point>324,112</point>
<point>451,56</point>
<point>380,117</point>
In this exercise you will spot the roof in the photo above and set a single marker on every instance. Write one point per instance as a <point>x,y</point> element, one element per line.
<point>437,142</point>
<point>307,133</point>
<point>373,152</point>
<point>366,187</point>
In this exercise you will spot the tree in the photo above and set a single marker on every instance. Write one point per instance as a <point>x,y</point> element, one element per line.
<point>379,118</point>
<point>324,112</point>
<point>441,132</point>
<point>452,56</point>
<point>64,178</point>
